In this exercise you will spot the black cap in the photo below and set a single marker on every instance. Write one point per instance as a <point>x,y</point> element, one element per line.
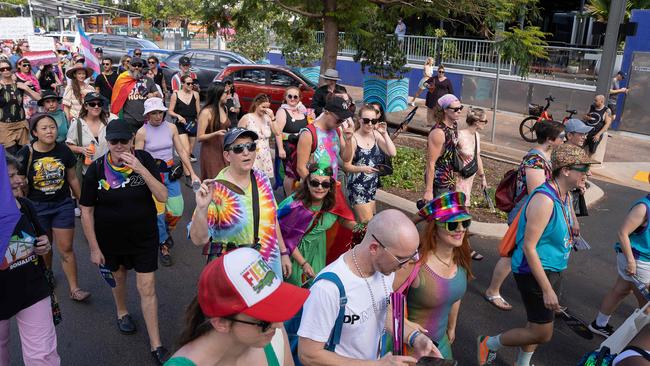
<point>621,73</point>
<point>93,96</point>
<point>235,133</point>
<point>99,50</point>
<point>137,60</point>
<point>119,129</point>
<point>48,94</point>
<point>37,117</point>
<point>184,61</point>
<point>338,106</point>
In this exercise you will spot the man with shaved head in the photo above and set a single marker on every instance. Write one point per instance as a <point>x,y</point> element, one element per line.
<point>367,273</point>
<point>600,118</point>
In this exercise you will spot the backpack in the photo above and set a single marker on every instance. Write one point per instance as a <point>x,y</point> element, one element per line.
<point>504,195</point>
<point>293,324</point>
<point>314,137</point>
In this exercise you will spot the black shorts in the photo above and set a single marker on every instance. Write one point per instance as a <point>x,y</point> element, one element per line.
<point>143,262</point>
<point>531,295</point>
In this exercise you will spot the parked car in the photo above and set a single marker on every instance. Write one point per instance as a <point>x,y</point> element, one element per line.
<point>115,46</point>
<point>251,80</point>
<point>205,63</point>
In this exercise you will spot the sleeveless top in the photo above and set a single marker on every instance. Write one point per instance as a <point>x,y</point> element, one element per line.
<point>188,111</point>
<point>269,352</point>
<point>444,177</point>
<point>293,126</point>
<point>328,148</point>
<point>430,303</point>
<point>554,246</point>
<point>640,238</point>
<point>597,118</point>
<point>158,141</point>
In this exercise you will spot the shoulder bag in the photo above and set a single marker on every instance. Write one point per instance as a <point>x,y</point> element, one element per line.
<point>472,167</point>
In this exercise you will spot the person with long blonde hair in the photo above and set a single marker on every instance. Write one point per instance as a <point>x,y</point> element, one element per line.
<point>437,282</point>
<point>427,72</point>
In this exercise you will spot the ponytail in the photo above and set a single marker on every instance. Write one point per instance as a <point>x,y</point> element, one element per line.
<point>196,323</point>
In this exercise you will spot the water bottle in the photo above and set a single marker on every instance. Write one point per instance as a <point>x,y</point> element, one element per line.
<point>91,148</point>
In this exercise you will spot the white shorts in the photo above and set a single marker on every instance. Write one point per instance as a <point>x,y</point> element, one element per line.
<point>642,269</point>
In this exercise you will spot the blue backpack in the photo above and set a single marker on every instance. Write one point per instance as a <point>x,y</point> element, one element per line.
<point>293,325</point>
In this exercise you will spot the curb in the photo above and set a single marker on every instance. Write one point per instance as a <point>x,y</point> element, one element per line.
<point>484,229</point>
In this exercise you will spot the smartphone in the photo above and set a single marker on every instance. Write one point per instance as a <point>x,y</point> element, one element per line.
<point>107,275</point>
<point>433,361</point>
<point>420,204</point>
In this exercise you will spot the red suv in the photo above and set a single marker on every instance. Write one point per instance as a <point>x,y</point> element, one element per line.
<point>251,80</point>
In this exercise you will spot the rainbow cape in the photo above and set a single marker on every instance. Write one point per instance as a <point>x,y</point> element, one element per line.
<point>296,219</point>
<point>121,90</point>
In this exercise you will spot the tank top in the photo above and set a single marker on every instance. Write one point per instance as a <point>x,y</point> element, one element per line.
<point>188,111</point>
<point>158,141</point>
<point>444,177</point>
<point>293,126</point>
<point>328,147</point>
<point>554,246</point>
<point>370,157</point>
<point>640,238</point>
<point>597,118</point>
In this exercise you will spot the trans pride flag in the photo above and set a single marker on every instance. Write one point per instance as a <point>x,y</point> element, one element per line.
<point>86,49</point>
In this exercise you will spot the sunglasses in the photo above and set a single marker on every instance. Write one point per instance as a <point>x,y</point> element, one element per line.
<point>441,71</point>
<point>483,120</point>
<point>127,61</point>
<point>151,62</point>
<point>456,109</point>
<point>3,69</point>
<point>289,96</point>
<point>25,65</point>
<point>137,54</point>
<point>372,121</point>
<point>186,64</point>
<point>119,141</point>
<point>239,148</point>
<point>137,65</point>
<point>264,326</point>
<point>107,64</point>
<point>400,261</point>
<point>580,168</point>
<point>315,184</point>
<point>95,104</point>
<point>189,84</point>
<point>453,226</point>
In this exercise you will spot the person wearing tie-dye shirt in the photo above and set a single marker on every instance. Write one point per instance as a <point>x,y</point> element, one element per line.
<point>224,216</point>
<point>437,282</point>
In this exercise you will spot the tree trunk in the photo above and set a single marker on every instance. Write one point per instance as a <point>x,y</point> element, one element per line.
<point>331,42</point>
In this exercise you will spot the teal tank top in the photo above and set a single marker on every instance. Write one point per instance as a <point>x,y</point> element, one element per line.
<point>555,244</point>
<point>640,238</point>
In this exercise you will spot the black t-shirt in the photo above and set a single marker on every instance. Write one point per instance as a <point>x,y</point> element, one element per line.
<point>46,80</point>
<point>47,173</point>
<point>125,217</point>
<point>22,276</point>
<point>105,84</point>
<point>441,88</point>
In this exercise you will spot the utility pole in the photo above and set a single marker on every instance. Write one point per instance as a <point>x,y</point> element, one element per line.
<point>608,57</point>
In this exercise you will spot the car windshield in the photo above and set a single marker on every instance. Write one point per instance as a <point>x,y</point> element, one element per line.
<point>304,78</point>
<point>145,43</point>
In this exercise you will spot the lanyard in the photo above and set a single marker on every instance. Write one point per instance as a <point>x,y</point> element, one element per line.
<point>564,213</point>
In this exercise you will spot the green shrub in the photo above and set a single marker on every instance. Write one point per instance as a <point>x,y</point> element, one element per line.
<point>408,170</point>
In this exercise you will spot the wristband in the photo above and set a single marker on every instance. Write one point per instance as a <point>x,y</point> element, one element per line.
<point>284,252</point>
<point>412,337</point>
<point>303,264</point>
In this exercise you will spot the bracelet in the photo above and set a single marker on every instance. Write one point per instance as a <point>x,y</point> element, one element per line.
<point>284,252</point>
<point>412,337</point>
<point>303,264</point>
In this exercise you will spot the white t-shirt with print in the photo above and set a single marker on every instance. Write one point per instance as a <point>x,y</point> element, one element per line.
<point>362,328</point>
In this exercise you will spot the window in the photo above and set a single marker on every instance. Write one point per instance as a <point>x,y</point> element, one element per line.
<point>250,76</point>
<point>202,59</point>
<point>98,42</point>
<point>225,61</point>
<point>132,44</point>
<point>280,78</point>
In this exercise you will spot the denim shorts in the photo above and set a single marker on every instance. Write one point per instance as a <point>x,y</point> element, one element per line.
<point>57,215</point>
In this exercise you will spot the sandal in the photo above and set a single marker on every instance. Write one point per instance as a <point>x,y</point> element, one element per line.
<point>476,255</point>
<point>79,295</point>
<point>505,306</point>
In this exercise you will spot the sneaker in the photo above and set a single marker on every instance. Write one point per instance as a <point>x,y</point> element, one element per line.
<point>192,158</point>
<point>485,355</point>
<point>605,331</point>
<point>160,354</point>
<point>412,104</point>
<point>77,212</point>
<point>126,325</point>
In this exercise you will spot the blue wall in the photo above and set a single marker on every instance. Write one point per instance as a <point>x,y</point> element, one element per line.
<point>350,73</point>
<point>637,43</point>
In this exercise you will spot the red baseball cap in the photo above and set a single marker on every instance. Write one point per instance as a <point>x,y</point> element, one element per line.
<point>242,282</point>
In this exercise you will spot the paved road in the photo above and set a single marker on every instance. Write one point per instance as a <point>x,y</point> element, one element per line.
<point>88,335</point>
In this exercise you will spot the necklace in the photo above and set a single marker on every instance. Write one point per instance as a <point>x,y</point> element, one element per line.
<point>443,262</point>
<point>372,295</point>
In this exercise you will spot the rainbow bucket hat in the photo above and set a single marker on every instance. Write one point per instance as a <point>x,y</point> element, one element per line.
<point>448,207</point>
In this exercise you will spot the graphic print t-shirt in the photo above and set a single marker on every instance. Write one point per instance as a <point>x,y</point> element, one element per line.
<point>362,328</point>
<point>47,178</point>
<point>22,280</point>
<point>134,107</point>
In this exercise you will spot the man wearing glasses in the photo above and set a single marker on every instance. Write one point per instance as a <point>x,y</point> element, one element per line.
<point>105,81</point>
<point>367,272</point>
<point>184,63</point>
<point>130,91</point>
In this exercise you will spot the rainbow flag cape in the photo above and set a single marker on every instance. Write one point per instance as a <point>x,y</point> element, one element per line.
<point>121,90</point>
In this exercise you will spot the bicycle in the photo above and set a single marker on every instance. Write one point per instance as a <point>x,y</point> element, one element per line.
<point>537,114</point>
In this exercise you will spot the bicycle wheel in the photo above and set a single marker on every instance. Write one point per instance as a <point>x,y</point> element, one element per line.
<point>526,129</point>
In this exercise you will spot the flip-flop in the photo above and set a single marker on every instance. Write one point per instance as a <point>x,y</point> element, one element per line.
<point>493,300</point>
<point>476,255</point>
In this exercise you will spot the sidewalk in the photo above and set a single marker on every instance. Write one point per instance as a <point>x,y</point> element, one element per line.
<point>626,157</point>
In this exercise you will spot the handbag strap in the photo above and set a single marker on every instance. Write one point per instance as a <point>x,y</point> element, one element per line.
<point>79,134</point>
<point>256,209</point>
<point>410,278</point>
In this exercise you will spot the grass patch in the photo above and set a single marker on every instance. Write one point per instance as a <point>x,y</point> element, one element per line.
<point>408,169</point>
